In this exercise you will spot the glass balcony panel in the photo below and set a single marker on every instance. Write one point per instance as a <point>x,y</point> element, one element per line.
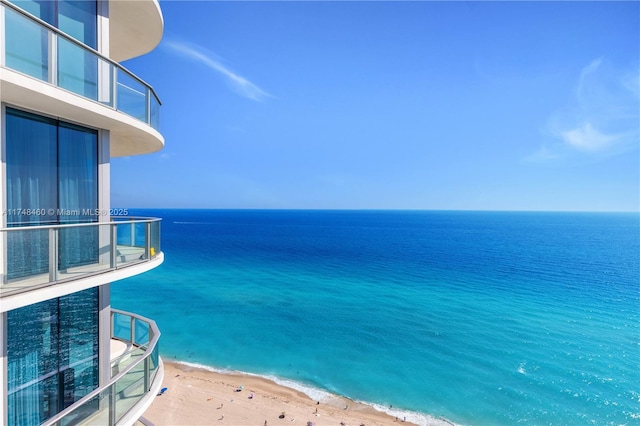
<point>125,233</point>
<point>78,247</point>
<point>83,250</point>
<point>129,389</point>
<point>28,256</point>
<point>155,239</point>
<point>142,333</point>
<point>128,358</point>
<point>131,96</point>
<point>77,69</point>
<point>140,230</point>
<point>26,46</point>
<point>155,112</point>
<point>154,361</point>
<point>121,327</point>
<point>131,238</point>
<point>94,411</point>
<point>63,252</point>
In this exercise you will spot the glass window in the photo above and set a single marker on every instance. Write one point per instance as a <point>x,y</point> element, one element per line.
<point>78,172</point>
<point>78,353</point>
<point>52,356</point>
<point>77,195</point>
<point>31,184</point>
<point>31,150</point>
<point>52,169</point>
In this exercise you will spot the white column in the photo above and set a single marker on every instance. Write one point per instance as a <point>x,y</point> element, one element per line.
<point>103,27</point>
<point>3,190</point>
<point>104,327</point>
<point>105,73</point>
<point>106,245</point>
<point>104,197</point>
<point>104,174</point>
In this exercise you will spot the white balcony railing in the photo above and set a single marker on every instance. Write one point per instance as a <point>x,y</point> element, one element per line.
<point>43,255</point>
<point>135,374</point>
<point>38,49</point>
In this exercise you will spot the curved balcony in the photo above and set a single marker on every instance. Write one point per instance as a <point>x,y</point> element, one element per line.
<point>44,69</point>
<point>136,377</point>
<point>68,256</point>
<point>135,28</point>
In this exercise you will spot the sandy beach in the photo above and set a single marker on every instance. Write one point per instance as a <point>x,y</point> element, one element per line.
<point>197,396</point>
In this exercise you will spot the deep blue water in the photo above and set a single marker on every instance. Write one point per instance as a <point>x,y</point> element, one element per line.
<point>485,318</point>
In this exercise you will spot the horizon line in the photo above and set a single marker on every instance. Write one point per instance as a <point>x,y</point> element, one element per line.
<point>385,209</point>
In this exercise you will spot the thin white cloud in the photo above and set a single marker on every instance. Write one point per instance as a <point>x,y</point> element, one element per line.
<point>584,82</point>
<point>543,154</point>
<point>239,84</point>
<point>631,82</point>
<point>588,138</point>
<point>602,118</point>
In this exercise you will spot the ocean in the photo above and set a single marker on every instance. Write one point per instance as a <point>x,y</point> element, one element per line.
<point>479,318</point>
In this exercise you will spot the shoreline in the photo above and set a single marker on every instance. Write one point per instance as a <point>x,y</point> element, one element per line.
<point>201,395</point>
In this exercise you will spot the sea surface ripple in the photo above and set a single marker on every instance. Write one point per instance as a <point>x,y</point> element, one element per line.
<point>484,318</point>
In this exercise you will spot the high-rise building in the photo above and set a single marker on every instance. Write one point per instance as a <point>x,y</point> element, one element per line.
<point>67,107</point>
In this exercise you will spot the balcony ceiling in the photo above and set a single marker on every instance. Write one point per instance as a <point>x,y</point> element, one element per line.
<point>136,28</point>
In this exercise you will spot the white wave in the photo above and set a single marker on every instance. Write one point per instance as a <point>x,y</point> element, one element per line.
<point>521,368</point>
<point>312,392</point>
<point>204,367</point>
<point>412,416</point>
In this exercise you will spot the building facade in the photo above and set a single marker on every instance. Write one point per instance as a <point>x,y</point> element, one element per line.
<point>67,107</point>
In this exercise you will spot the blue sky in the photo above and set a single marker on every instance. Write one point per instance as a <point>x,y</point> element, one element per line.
<point>392,105</point>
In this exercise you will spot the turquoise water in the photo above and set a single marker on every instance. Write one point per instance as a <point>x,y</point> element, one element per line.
<point>484,318</point>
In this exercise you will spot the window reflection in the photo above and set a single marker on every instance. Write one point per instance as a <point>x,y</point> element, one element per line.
<point>52,356</point>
